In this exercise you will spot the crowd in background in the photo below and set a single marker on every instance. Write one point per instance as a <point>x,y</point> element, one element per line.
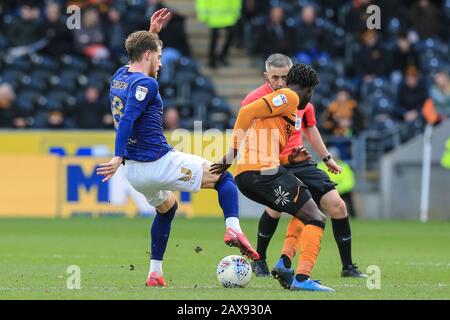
<point>370,79</point>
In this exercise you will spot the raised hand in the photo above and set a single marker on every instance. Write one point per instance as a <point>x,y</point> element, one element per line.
<point>158,19</point>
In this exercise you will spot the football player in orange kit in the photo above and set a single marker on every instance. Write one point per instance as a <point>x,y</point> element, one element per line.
<point>322,189</point>
<point>261,131</point>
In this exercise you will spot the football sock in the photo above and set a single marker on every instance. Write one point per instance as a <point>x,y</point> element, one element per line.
<point>292,238</point>
<point>233,223</point>
<point>228,195</point>
<point>156,266</point>
<point>310,244</point>
<point>343,237</point>
<point>160,232</point>
<point>286,261</point>
<point>266,228</point>
<point>301,277</point>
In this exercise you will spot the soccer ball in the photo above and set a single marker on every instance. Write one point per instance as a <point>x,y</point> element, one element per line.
<point>234,271</point>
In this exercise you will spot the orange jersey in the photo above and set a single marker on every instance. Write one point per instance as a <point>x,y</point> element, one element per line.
<point>263,128</point>
<point>307,117</point>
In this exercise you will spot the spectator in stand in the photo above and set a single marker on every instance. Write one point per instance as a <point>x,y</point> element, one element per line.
<point>309,40</point>
<point>428,20</point>
<point>437,107</point>
<point>90,38</point>
<point>411,96</point>
<point>56,120</point>
<point>7,97</point>
<point>22,120</point>
<point>250,9</point>
<point>171,119</point>
<point>219,14</point>
<point>275,36</point>
<point>404,54</point>
<point>27,28</point>
<point>107,121</point>
<point>91,109</point>
<point>60,39</point>
<point>373,59</point>
<point>343,120</point>
<point>115,33</point>
<point>356,20</point>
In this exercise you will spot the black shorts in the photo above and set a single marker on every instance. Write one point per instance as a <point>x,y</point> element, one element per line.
<point>317,181</point>
<point>280,191</point>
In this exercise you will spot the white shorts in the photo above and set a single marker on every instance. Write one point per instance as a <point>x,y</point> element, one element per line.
<point>175,171</point>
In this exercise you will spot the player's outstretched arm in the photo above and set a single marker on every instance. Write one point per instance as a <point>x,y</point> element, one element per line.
<point>158,19</point>
<point>314,137</point>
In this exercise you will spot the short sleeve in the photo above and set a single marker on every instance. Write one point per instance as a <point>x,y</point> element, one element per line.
<point>310,116</point>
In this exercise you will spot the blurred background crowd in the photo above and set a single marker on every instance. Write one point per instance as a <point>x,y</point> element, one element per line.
<point>387,80</point>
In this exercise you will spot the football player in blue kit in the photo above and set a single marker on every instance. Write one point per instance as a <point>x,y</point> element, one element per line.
<point>151,165</point>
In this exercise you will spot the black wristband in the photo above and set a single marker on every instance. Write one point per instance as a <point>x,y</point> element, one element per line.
<point>327,158</point>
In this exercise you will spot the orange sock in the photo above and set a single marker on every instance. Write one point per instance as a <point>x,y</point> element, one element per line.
<point>292,239</point>
<point>310,243</point>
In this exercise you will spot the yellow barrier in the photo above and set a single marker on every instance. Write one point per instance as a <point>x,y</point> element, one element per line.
<point>35,183</point>
<point>29,186</point>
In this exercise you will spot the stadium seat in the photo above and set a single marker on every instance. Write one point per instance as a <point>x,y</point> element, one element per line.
<point>29,100</point>
<point>43,62</point>
<point>186,64</point>
<point>12,77</point>
<point>221,105</point>
<point>184,81</point>
<point>21,64</point>
<point>74,62</point>
<point>204,83</point>
<point>201,102</point>
<point>58,100</point>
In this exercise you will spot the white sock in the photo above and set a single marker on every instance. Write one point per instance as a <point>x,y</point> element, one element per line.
<point>233,223</point>
<point>156,266</point>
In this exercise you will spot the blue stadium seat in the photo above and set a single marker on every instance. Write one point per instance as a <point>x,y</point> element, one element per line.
<point>44,62</point>
<point>13,77</point>
<point>29,100</point>
<point>201,101</point>
<point>21,64</point>
<point>74,62</point>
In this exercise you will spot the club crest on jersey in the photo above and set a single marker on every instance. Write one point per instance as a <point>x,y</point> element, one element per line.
<point>141,92</point>
<point>298,123</point>
<point>279,100</point>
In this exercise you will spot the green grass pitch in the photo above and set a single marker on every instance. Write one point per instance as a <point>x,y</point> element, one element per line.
<point>112,254</point>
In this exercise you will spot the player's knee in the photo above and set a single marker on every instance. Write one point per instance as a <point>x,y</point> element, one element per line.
<point>224,178</point>
<point>273,214</point>
<point>168,204</point>
<point>338,209</point>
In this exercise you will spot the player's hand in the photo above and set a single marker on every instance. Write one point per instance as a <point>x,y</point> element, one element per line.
<point>158,19</point>
<point>108,169</point>
<point>298,155</point>
<point>219,167</point>
<point>333,167</point>
<point>223,164</point>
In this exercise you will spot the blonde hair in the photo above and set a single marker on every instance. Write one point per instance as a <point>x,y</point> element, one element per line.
<point>139,42</point>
